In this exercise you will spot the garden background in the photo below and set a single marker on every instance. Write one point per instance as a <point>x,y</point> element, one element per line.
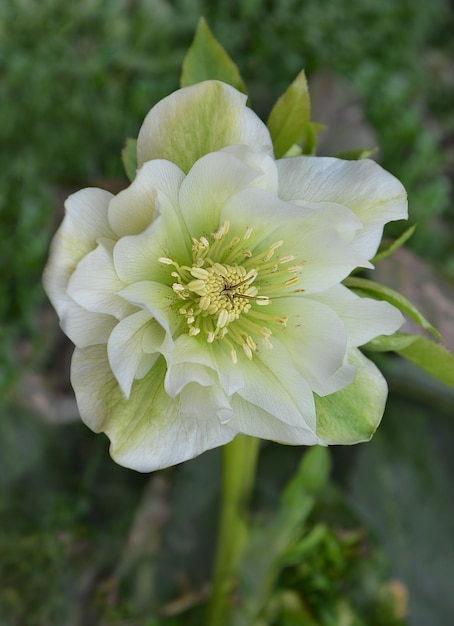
<point>84,542</point>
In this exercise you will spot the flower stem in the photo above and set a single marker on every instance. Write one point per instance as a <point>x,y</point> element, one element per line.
<point>238,473</point>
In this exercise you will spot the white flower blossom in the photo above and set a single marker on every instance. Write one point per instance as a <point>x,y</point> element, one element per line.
<point>206,299</point>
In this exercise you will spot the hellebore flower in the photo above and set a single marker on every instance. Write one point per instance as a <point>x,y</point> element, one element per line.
<point>205,300</point>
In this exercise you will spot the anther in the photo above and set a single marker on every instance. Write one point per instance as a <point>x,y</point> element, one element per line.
<point>274,246</point>
<point>199,272</point>
<point>223,318</point>
<point>262,300</point>
<point>251,343</point>
<point>247,351</point>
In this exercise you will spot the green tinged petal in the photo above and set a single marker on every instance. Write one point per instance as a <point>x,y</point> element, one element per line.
<point>151,430</point>
<point>353,414</point>
<point>197,120</point>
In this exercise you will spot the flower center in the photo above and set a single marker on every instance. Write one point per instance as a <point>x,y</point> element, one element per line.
<point>224,290</point>
<point>226,284</point>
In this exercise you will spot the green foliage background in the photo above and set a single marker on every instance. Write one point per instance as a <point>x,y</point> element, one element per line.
<point>76,79</point>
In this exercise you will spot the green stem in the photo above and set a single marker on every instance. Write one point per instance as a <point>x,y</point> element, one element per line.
<point>238,475</point>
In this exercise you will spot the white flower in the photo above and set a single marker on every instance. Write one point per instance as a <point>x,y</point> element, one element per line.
<point>206,300</point>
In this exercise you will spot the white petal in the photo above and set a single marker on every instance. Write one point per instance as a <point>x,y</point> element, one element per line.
<point>368,239</point>
<point>136,256</point>
<point>259,160</point>
<point>250,419</point>
<point>314,336</point>
<point>364,318</point>
<point>337,216</point>
<point>210,404</point>
<point>254,133</point>
<point>325,258</point>
<point>373,194</point>
<point>159,301</point>
<point>132,210</point>
<point>341,378</point>
<point>94,283</point>
<point>188,360</point>
<point>272,383</point>
<point>85,221</point>
<point>125,348</point>
<point>151,430</point>
<point>85,328</point>
<point>196,120</point>
<point>210,183</point>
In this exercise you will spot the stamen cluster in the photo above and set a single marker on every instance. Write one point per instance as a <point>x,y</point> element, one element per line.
<point>224,283</point>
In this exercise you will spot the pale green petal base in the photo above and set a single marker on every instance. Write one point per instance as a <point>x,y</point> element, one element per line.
<point>196,120</point>
<point>151,430</point>
<point>353,414</point>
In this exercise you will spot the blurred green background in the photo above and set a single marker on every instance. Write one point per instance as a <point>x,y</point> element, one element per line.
<point>76,79</point>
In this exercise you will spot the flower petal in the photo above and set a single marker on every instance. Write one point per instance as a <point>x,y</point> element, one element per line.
<point>272,383</point>
<point>196,120</point>
<point>364,318</point>
<point>251,420</point>
<point>85,221</point>
<point>314,337</point>
<point>209,184</point>
<point>125,348</point>
<point>353,414</point>
<point>151,430</point>
<point>94,283</point>
<point>136,257</point>
<point>85,328</point>
<point>159,301</point>
<point>189,360</point>
<point>132,210</point>
<point>373,194</point>
<point>324,257</point>
<point>258,159</point>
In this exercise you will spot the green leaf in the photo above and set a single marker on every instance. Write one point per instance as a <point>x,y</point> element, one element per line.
<point>289,117</point>
<point>294,150</point>
<point>206,59</point>
<point>387,250</point>
<point>432,357</point>
<point>388,343</point>
<point>268,544</point>
<point>353,414</point>
<point>371,289</point>
<point>129,158</point>
<point>355,154</point>
<point>310,137</point>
